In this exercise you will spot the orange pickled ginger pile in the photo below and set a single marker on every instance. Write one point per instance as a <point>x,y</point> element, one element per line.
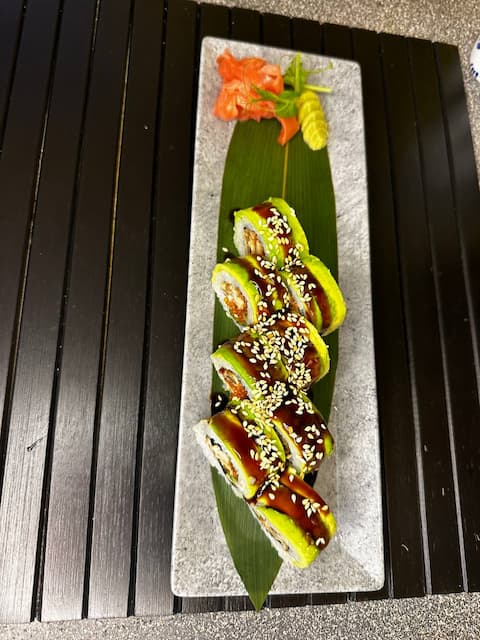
<point>238,99</point>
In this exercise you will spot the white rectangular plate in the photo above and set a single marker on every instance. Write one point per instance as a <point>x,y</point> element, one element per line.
<point>350,481</point>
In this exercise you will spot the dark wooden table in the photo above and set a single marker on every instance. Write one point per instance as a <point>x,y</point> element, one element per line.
<point>97,114</point>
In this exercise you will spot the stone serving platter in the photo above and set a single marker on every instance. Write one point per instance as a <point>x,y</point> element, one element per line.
<point>350,480</point>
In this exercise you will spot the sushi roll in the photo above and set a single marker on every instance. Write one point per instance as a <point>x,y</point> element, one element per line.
<point>315,293</point>
<point>303,432</point>
<point>300,346</point>
<point>295,518</point>
<point>270,229</point>
<point>249,289</point>
<point>247,367</point>
<point>244,453</point>
<point>286,348</point>
<point>300,427</point>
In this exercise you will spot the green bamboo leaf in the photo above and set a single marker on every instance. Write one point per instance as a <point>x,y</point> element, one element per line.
<point>256,168</point>
<point>253,556</point>
<point>285,102</point>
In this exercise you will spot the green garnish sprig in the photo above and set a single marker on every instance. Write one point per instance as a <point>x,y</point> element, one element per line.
<point>296,77</point>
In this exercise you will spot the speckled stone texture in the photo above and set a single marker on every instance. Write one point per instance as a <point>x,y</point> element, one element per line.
<point>350,480</point>
<point>455,617</point>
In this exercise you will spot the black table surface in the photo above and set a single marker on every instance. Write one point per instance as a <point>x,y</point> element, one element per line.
<point>97,117</point>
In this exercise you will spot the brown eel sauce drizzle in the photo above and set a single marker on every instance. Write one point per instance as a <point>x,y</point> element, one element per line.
<point>296,424</point>
<point>246,366</point>
<point>236,301</point>
<point>230,430</point>
<point>266,211</point>
<point>282,502</point>
<point>316,292</point>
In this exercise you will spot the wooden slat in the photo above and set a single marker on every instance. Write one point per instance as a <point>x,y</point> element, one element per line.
<point>75,415</point>
<point>35,374</point>
<point>238,603</point>
<point>19,166</point>
<point>276,30</point>
<point>456,343</point>
<point>421,317</point>
<point>466,201</point>
<point>202,605</point>
<point>337,40</point>
<point>214,21</point>
<point>393,389</point>
<point>306,35</point>
<point>245,25</point>
<point>11,18</point>
<point>19,169</point>
<point>172,210</point>
<point>111,558</point>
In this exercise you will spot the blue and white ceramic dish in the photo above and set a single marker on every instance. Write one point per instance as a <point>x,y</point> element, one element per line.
<point>475,60</point>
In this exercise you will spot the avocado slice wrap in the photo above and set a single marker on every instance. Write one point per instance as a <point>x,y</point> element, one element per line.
<point>295,518</point>
<point>270,229</point>
<point>245,454</point>
<point>249,289</point>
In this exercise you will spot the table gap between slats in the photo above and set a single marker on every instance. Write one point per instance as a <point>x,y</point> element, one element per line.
<point>153,593</point>
<point>22,163</point>
<point>84,27</point>
<point>21,323</point>
<point>147,315</point>
<point>68,38</point>
<point>466,199</point>
<point>454,334</point>
<point>438,513</point>
<point>100,596</point>
<point>133,603</point>
<point>88,263</point>
<point>11,27</point>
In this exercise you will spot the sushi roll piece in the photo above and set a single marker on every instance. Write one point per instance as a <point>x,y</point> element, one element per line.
<point>245,454</point>
<point>247,366</point>
<point>295,518</point>
<point>300,427</point>
<point>284,349</point>
<point>303,432</point>
<point>315,294</point>
<point>300,346</point>
<point>270,229</point>
<point>249,289</point>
